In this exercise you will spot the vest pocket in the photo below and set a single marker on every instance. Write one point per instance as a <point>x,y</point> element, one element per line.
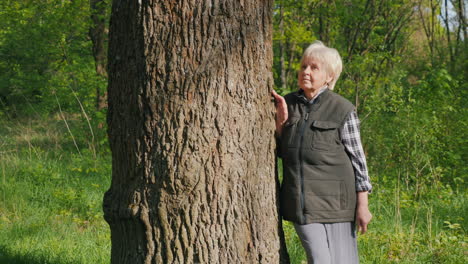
<point>325,135</point>
<point>289,131</point>
<point>324,195</point>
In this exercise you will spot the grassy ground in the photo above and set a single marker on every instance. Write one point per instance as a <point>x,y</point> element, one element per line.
<point>50,197</point>
<point>50,207</point>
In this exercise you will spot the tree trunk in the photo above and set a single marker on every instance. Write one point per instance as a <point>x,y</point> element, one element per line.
<point>461,17</point>
<point>282,49</point>
<point>447,31</point>
<point>289,69</point>
<point>191,126</point>
<point>97,33</point>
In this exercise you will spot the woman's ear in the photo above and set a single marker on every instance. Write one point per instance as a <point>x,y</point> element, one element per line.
<point>329,79</point>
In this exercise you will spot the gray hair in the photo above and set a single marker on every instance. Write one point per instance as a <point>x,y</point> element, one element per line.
<point>328,57</point>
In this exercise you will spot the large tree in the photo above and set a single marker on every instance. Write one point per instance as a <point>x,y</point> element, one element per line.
<point>191,132</point>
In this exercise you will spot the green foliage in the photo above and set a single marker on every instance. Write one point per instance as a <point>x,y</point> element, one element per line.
<point>411,100</point>
<point>47,67</point>
<point>409,87</point>
<point>419,135</point>
<point>406,231</point>
<point>412,111</point>
<point>50,208</point>
<point>45,57</point>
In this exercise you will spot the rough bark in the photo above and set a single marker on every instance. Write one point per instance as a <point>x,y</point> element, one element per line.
<point>97,33</point>
<point>191,132</point>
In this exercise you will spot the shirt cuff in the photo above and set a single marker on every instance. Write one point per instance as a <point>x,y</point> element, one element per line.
<point>363,187</point>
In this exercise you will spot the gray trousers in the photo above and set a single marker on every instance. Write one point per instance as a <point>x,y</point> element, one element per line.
<point>332,243</point>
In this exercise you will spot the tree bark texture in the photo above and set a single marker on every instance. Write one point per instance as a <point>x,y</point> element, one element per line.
<point>191,129</point>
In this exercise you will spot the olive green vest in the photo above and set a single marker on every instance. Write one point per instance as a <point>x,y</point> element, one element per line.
<point>318,178</point>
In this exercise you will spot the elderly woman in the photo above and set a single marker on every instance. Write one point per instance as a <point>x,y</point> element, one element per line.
<point>325,180</point>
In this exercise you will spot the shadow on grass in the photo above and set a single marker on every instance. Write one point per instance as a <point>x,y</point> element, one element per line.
<point>7,257</point>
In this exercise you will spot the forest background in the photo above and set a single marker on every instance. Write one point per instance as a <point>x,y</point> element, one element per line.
<point>405,69</point>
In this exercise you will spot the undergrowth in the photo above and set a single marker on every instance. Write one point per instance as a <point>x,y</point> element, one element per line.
<point>51,196</point>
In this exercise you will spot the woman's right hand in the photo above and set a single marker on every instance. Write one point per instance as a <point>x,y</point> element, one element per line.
<point>281,112</point>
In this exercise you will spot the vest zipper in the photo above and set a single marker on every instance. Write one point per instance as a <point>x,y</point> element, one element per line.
<point>301,161</point>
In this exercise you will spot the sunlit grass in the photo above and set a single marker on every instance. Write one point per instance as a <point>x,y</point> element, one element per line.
<point>50,199</point>
<point>426,233</point>
<point>50,208</point>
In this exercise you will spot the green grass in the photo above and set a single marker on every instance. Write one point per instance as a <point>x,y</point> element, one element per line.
<point>50,207</point>
<point>50,197</point>
<point>403,230</point>
<point>427,231</point>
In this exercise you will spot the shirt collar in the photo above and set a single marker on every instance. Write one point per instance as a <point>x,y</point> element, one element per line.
<point>301,95</point>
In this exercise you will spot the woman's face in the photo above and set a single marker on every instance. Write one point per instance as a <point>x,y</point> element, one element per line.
<point>312,75</point>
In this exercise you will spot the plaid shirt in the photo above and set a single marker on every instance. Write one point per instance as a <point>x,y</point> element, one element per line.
<point>351,139</point>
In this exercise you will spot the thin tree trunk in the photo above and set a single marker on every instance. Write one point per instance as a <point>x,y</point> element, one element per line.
<point>97,33</point>
<point>292,57</point>
<point>356,95</point>
<point>191,127</point>
<point>282,48</point>
<point>325,11</point>
<point>461,26</point>
<point>321,26</point>
<point>447,29</point>
<point>351,43</point>
<point>435,7</point>
<point>427,30</point>
<point>462,19</point>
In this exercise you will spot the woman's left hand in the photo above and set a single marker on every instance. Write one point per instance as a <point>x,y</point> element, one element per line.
<point>281,111</point>
<point>363,215</point>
